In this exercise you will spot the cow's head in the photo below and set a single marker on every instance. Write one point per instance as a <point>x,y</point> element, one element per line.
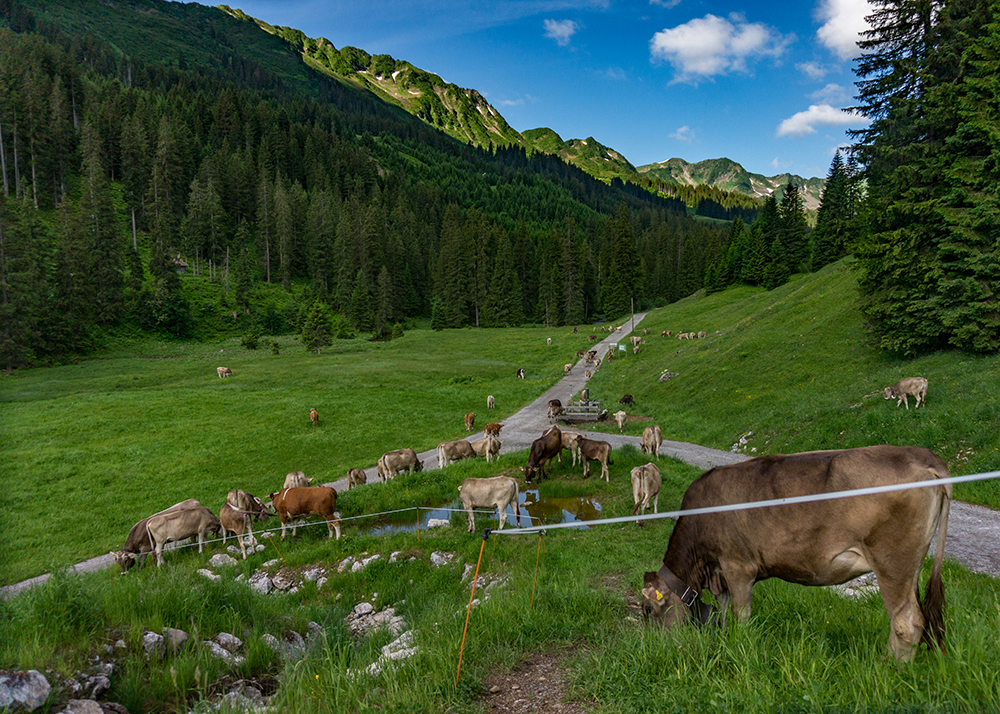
<point>419,466</point>
<point>888,393</point>
<point>660,604</point>
<point>124,559</point>
<point>529,473</point>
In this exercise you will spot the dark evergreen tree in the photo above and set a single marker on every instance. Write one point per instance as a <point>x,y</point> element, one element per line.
<point>317,327</point>
<point>834,219</point>
<point>793,229</point>
<point>624,280</point>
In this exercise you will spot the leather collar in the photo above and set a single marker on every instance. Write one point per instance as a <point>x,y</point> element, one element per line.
<point>702,612</point>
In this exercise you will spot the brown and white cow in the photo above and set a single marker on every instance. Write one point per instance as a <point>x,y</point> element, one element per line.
<point>164,528</point>
<point>237,515</point>
<point>646,483</point>
<point>449,451</point>
<point>571,441</point>
<point>293,502</point>
<point>594,450</point>
<point>497,492</point>
<point>567,368</point>
<point>224,372</point>
<point>555,409</point>
<point>470,421</point>
<point>911,386</point>
<point>493,429</point>
<point>392,462</point>
<point>314,417</point>
<point>137,545</point>
<point>297,479</point>
<point>816,543</point>
<point>652,437</point>
<point>543,449</point>
<point>356,477</point>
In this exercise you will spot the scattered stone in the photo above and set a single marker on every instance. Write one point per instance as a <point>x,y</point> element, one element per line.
<point>495,689</point>
<point>666,376</point>
<point>439,558</point>
<point>364,618</point>
<point>231,643</point>
<point>312,575</point>
<point>222,653</point>
<point>269,563</point>
<point>153,644</point>
<point>360,565</point>
<point>438,523</point>
<point>174,639</point>
<point>242,698</point>
<point>345,564</point>
<point>394,556</point>
<point>281,582</point>
<point>220,559</point>
<point>23,690</point>
<point>315,629</point>
<point>206,573</point>
<point>321,582</point>
<point>260,582</point>
<point>82,706</point>
<point>864,586</point>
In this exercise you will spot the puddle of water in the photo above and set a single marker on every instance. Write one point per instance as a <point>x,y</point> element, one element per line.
<point>534,511</point>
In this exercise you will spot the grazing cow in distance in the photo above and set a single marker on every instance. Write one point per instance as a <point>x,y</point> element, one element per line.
<point>549,341</point>
<point>586,374</point>
<point>543,449</point>
<point>296,479</point>
<point>594,450</point>
<point>238,513</point>
<point>314,417</point>
<point>489,446</point>
<point>470,421</point>
<point>567,368</point>
<point>911,386</point>
<point>137,545</point>
<point>571,440</point>
<point>178,525</point>
<point>449,451</point>
<point>646,482</point>
<point>356,477</point>
<point>635,350</point>
<point>293,502</point>
<point>651,440</point>
<point>645,331</point>
<point>682,336</point>
<point>555,409</point>
<point>392,462</point>
<point>520,374</point>
<point>620,420</point>
<point>498,492</point>
<point>665,333</point>
<point>224,372</point>
<point>493,429</point>
<point>597,363</point>
<point>592,338</point>
<point>627,400</point>
<point>585,395</point>
<point>815,543</point>
<point>702,335</point>
<point>576,330</point>
<point>490,402</point>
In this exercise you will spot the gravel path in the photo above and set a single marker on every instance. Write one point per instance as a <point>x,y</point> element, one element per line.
<point>973,531</point>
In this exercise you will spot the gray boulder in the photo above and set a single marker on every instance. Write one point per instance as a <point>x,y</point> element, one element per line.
<point>23,690</point>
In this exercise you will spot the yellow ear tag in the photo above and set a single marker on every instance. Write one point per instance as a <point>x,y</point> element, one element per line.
<point>659,596</point>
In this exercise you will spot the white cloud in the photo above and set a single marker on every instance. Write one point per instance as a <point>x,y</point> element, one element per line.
<point>511,102</point>
<point>804,123</point>
<point>669,4</point>
<point>813,70</point>
<point>830,94</point>
<point>843,22</point>
<point>683,134</point>
<point>561,31</point>
<point>712,45</point>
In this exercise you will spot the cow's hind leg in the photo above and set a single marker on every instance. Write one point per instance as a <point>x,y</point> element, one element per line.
<point>906,622</point>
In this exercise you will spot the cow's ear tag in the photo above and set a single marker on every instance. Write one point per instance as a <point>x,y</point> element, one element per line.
<point>659,596</point>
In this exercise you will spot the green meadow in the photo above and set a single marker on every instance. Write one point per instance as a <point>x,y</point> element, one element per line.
<point>88,449</point>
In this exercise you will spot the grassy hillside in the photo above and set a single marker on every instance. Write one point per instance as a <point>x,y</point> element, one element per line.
<point>792,367</point>
<point>588,154</point>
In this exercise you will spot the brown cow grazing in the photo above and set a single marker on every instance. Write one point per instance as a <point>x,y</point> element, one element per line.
<point>392,462</point>
<point>818,543</point>
<point>296,479</point>
<point>702,335</point>
<point>497,492</point>
<point>543,449</point>
<point>911,386</point>
<point>294,502</point>
<point>356,477</point>
<point>592,338</point>
<point>520,374</point>
<point>470,420</point>
<point>449,451</point>
<point>493,429</point>
<point>627,400</point>
<point>567,368</point>
<point>237,515</point>
<point>137,545</point>
<point>620,420</point>
<point>490,402</point>
<point>576,330</point>
<point>593,450</point>
<point>646,482</point>
<point>179,525</point>
<point>651,440</point>
<point>224,372</point>
<point>314,417</point>
<point>555,409</point>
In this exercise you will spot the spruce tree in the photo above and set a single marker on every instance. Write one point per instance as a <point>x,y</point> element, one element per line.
<point>623,282</point>
<point>317,327</point>
<point>793,229</point>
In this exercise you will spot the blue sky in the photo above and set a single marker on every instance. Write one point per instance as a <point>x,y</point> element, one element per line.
<point>763,84</point>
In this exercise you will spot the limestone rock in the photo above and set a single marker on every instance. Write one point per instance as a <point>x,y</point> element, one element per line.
<point>154,645</point>
<point>23,690</point>
<point>220,559</point>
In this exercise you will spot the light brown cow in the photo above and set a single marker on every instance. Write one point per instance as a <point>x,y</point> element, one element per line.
<point>620,420</point>
<point>356,477</point>
<point>702,335</point>
<point>682,335</point>
<point>392,462</point>
<point>137,545</point>
<point>224,372</point>
<point>294,502</point>
<point>646,482</point>
<point>297,479</point>
<point>470,421</point>
<point>314,417</point>
<point>488,447</point>
<point>497,492</point>
<point>571,441</point>
<point>817,543</point>
<point>651,440</point>
<point>594,450</point>
<point>237,515</point>
<point>449,451</point>
<point>179,525</point>
<point>490,402</point>
<point>911,386</point>
<point>567,368</point>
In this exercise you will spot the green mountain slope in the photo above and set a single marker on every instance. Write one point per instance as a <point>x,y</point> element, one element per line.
<point>588,154</point>
<point>728,175</point>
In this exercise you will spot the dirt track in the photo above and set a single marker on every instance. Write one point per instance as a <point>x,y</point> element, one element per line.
<point>973,531</point>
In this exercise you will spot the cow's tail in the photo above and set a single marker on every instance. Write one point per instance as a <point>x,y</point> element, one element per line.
<point>517,507</point>
<point>933,604</point>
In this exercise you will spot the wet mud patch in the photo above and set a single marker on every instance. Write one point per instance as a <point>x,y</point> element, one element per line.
<point>539,685</point>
